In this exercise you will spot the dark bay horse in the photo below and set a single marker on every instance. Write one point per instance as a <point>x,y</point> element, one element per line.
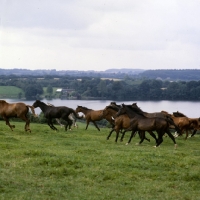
<point>93,116</point>
<point>122,122</point>
<point>139,122</point>
<point>161,115</point>
<point>19,110</point>
<point>70,122</point>
<point>52,112</point>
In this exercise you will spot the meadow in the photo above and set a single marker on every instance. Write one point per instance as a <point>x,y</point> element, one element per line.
<point>82,164</point>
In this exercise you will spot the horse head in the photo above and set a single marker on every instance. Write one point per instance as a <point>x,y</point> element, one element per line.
<point>36,103</point>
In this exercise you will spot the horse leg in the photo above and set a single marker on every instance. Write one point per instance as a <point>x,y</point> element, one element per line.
<point>186,134</point>
<point>110,134</point>
<point>132,134</point>
<point>194,132</point>
<point>172,137</point>
<point>117,135</point>
<point>96,125</point>
<point>160,140</point>
<point>26,127</point>
<point>51,125</point>
<point>153,135</point>
<point>8,123</point>
<point>87,124</point>
<point>123,134</point>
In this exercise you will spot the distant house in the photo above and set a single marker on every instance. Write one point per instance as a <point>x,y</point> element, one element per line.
<point>65,93</point>
<point>59,90</point>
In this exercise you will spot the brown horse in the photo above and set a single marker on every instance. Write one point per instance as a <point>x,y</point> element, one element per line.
<point>195,125</point>
<point>122,122</point>
<point>19,110</point>
<point>160,115</point>
<point>184,123</point>
<point>139,122</point>
<point>93,116</point>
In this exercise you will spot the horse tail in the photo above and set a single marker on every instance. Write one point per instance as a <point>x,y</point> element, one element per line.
<point>171,122</point>
<point>32,109</point>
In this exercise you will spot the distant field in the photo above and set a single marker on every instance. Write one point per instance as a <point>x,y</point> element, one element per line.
<point>13,92</point>
<point>10,92</point>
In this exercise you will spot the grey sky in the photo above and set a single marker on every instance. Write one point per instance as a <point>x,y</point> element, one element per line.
<point>99,35</point>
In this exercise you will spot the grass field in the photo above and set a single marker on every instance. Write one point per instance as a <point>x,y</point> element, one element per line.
<point>10,92</point>
<point>81,164</point>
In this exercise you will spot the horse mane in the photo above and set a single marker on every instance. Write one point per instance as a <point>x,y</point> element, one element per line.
<point>85,108</point>
<point>113,103</point>
<point>178,114</point>
<point>3,101</point>
<point>113,108</point>
<point>136,109</point>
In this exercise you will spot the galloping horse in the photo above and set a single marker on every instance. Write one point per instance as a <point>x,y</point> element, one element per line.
<point>139,122</point>
<point>121,122</point>
<point>161,115</point>
<point>71,120</point>
<point>92,116</point>
<point>60,112</point>
<point>183,123</point>
<point>195,125</point>
<point>19,110</point>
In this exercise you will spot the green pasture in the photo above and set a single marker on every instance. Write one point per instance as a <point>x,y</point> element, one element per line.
<point>10,92</point>
<point>82,164</point>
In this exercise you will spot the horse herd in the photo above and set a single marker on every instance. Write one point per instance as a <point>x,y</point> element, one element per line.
<point>122,118</point>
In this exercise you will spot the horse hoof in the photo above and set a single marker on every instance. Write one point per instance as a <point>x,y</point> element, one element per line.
<point>175,146</point>
<point>126,143</point>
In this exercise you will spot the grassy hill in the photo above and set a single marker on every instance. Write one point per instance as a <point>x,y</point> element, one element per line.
<point>82,164</point>
<point>11,92</point>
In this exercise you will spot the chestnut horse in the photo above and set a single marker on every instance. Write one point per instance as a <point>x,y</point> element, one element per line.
<point>184,123</point>
<point>19,110</point>
<point>195,125</point>
<point>52,112</point>
<point>139,122</point>
<point>93,116</point>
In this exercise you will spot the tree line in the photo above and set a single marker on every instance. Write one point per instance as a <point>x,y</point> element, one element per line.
<point>124,89</point>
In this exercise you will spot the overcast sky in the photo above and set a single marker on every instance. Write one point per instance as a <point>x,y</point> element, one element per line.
<point>99,34</point>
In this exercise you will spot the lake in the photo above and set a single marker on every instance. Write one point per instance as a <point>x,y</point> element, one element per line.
<point>189,108</point>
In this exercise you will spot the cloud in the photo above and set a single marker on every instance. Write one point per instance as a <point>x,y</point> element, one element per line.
<point>98,35</point>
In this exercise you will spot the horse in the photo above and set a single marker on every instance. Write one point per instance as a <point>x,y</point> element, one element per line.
<point>51,112</point>
<point>121,122</point>
<point>93,116</point>
<point>184,123</point>
<point>195,125</point>
<point>139,122</point>
<point>161,115</point>
<point>71,120</point>
<point>19,110</point>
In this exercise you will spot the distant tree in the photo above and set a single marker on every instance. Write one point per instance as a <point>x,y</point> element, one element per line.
<point>33,91</point>
<point>49,89</point>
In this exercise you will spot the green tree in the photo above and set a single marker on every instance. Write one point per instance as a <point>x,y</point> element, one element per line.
<point>33,91</point>
<point>49,89</point>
